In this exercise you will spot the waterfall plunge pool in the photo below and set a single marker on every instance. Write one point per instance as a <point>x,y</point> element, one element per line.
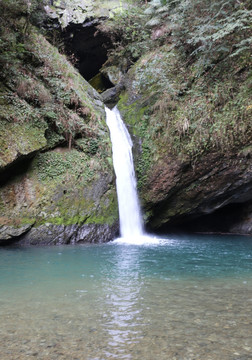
<point>136,298</point>
<point>181,298</point>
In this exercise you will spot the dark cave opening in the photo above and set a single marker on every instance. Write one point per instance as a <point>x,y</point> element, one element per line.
<point>87,48</point>
<point>220,221</point>
<point>18,168</point>
<point>234,218</point>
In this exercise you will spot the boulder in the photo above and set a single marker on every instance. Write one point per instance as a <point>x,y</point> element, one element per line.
<point>192,142</point>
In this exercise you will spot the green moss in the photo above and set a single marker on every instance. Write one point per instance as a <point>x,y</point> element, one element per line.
<point>98,83</point>
<point>89,146</point>
<point>107,212</point>
<point>76,220</point>
<point>16,139</point>
<point>134,113</point>
<point>45,103</point>
<point>53,138</point>
<point>27,221</point>
<point>137,117</point>
<point>78,211</point>
<point>187,115</point>
<point>56,164</point>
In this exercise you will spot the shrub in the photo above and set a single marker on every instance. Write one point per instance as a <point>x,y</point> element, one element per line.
<point>207,30</point>
<point>129,35</point>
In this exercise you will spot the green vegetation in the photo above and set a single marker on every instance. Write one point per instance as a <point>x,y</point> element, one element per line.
<point>187,94</point>
<point>129,35</point>
<point>209,30</point>
<point>52,119</point>
<point>204,32</point>
<point>194,77</point>
<point>54,165</point>
<point>39,85</point>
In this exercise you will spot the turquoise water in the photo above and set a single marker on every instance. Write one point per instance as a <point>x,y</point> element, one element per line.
<point>183,298</point>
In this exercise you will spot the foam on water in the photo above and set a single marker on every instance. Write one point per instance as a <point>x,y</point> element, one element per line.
<point>142,240</point>
<point>138,240</point>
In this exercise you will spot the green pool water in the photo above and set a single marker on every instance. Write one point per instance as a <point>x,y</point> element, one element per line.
<point>183,298</point>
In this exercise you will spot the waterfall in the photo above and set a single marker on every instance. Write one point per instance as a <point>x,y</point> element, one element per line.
<point>129,209</point>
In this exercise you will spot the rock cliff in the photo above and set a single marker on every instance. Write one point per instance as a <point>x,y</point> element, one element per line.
<point>193,142</point>
<point>57,180</point>
<point>186,102</point>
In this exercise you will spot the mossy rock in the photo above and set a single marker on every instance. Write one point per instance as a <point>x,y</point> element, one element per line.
<point>78,11</point>
<point>18,140</point>
<point>182,123</point>
<point>61,187</point>
<point>55,147</point>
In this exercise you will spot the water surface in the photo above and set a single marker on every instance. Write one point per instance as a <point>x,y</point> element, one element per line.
<point>182,298</point>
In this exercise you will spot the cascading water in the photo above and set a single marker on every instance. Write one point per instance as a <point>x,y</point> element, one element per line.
<point>129,210</point>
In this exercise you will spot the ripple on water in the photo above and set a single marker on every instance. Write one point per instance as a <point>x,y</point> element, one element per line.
<point>182,300</point>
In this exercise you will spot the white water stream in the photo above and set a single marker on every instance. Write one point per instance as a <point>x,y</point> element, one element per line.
<point>129,209</point>
<point>131,225</point>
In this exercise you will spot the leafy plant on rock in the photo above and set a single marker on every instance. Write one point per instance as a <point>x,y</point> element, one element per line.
<point>129,35</point>
<point>207,31</point>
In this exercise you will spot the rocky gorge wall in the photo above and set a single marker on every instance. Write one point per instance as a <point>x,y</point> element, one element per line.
<point>57,179</point>
<point>191,129</point>
<point>193,144</point>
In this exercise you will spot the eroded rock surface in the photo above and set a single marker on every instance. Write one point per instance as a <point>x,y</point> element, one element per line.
<point>79,11</point>
<point>56,170</point>
<point>192,142</point>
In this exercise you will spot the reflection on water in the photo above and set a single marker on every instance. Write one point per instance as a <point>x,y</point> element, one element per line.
<point>180,299</point>
<point>123,303</point>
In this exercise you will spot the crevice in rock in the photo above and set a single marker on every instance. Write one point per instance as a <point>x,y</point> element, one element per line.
<point>87,47</point>
<point>100,83</point>
<point>10,236</point>
<point>232,218</point>
<point>235,218</point>
<point>17,168</point>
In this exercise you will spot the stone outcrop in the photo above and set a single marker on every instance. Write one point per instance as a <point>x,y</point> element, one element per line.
<point>56,172</point>
<point>80,11</point>
<point>69,234</point>
<point>77,25</point>
<point>192,134</point>
<point>183,193</point>
<point>193,150</point>
<point>8,234</point>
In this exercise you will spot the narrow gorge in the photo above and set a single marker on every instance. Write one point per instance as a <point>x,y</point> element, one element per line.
<point>125,179</point>
<point>186,106</point>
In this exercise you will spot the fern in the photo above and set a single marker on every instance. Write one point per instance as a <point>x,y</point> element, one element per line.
<point>203,28</point>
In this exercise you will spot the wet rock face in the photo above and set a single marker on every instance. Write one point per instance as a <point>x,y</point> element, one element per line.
<point>56,172</point>
<point>187,171</point>
<point>214,196</point>
<point>88,46</point>
<point>71,234</point>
